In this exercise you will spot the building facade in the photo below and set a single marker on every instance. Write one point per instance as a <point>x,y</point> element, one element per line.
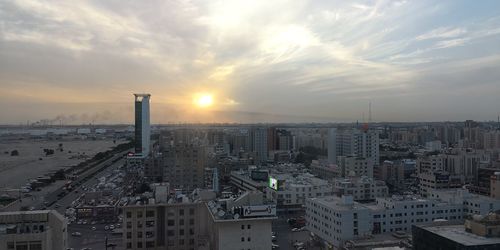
<point>142,124</point>
<point>33,230</point>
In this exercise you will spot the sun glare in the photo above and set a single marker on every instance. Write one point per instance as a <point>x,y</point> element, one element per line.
<point>204,100</point>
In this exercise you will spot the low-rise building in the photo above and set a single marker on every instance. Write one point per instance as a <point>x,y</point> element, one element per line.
<point>290,192</point>
<point>249,180</point>
<point>337,220</point>
<point>361,188</point>
<point>355,166</point>
<point>200,222</point>
<point>478,232</point>
<point>324,170</point>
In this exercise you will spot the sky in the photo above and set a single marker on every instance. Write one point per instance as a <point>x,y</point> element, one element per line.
<point>260,61</point>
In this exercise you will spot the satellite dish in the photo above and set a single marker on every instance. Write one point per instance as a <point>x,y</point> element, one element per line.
<point>214,210</point>
<point>236,216</point>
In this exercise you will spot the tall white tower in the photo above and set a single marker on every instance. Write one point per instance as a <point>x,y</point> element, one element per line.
<point>142,124</point>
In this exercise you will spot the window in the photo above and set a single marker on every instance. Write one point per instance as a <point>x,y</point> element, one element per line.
<point>170,233</point>
<point>248,226</point>
<point>191,211</point>
<point>150,213</point>
<point>129,235</point>
<point>242,239</point>
<point>129,214</point>
<point>139,214</point>
<point>242,227</point>
<point>181,212</point>
<point>139,234</point>
<point>139,244</point>
<point>129,245</point>
<point>170,222</point>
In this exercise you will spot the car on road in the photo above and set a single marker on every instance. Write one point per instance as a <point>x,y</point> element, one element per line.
<point>273,238</point>
<point>296,229</point>
<point>94,228</point>
<point>111,227</point>
<point>274,246</point>
<point>76,234</point>
<point>106,227</point>
<point>299,245</point>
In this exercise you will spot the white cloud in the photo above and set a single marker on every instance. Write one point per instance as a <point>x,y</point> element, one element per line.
<point>442,32</point>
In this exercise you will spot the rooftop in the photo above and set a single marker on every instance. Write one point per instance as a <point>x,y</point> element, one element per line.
<point>458,234</point>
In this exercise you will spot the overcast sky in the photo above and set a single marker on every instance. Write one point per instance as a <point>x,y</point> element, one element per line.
<point>413,60</point>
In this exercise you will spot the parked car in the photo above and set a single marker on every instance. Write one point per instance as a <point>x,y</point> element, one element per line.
<point>76,234</point>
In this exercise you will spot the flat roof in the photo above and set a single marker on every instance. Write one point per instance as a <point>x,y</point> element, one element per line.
<point>337,204</point>
<point>458,234</point>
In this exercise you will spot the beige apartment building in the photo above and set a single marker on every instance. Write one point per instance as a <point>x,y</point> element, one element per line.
<point>33,230</point>
<point>242,222</point>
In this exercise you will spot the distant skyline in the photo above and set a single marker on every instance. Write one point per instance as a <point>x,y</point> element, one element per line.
<point>305,61</point>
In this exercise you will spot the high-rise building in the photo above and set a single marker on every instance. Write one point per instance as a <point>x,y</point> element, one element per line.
<point>183,166</point>
<point>353,142</point>
<point>332,146</point>
<point>259,144</point>
<point>142,124</point>
<point>43,229</point>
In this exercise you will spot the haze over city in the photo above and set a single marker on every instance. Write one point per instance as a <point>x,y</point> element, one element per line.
<point>257,61</point>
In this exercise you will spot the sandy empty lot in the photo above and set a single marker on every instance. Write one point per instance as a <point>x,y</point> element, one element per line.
<point>15,171</point>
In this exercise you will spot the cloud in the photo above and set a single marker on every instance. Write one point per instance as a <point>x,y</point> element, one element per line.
<point>442,32</point>
<point>305,58</point>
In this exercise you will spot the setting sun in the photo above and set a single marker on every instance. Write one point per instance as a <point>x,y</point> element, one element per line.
<point>204,100</point>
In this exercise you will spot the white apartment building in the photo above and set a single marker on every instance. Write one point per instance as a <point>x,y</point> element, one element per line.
<point>437,180</point>
<point>243,222</point>
<point>338,219</point>
<point>33,230</point>
<point>449,170</point>
<point>473,203</point>
<point>359,143</point>
<point>361,188</point>
<point>291,193</point>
